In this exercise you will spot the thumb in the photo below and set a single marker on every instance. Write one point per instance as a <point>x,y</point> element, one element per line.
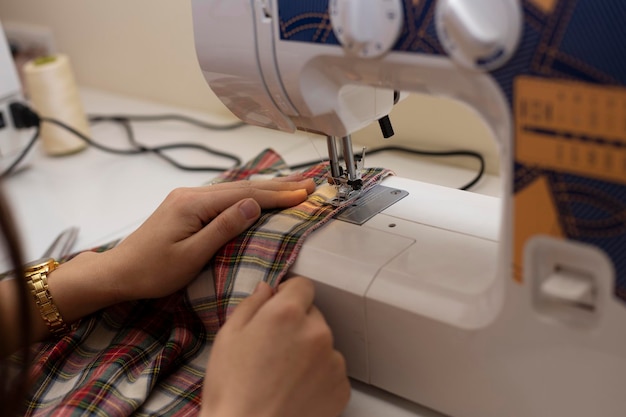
<point>246,310</point>
<point>227,225</point>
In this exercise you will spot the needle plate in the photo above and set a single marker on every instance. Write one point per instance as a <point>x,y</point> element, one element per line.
<point>370,204</point>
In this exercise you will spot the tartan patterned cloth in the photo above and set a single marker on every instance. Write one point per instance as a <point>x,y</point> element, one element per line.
<point>148,357</point>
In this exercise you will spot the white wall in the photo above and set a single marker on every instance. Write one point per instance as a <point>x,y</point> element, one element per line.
<point>140,48</point>
<point>145,48</point>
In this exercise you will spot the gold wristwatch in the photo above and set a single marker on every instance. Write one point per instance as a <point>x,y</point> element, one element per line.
<point>36,275</point>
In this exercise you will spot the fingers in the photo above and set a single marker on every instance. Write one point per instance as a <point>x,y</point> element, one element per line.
<point>299,291</point>
<point>208,202</point>
<point>266,199</point>
<point>296,176</point>
<point>228,224</point>
<point>209,205</point>
<point>316,315</point>
<point>222,214</point>
<point>278,184</point>
<point>247,309</point>
<point>342,390</point>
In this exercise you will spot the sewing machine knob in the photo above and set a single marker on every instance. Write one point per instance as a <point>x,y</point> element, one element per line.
<point>479,34</point>
<point>367,29</point>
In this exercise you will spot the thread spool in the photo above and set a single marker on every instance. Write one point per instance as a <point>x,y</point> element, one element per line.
<point>54,94</point>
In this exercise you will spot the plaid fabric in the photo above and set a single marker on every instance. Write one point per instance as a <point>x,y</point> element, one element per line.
<point>148,357</point>
<point>267,250</point>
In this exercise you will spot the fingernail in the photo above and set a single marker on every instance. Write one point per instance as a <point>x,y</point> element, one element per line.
<point>249,208</point>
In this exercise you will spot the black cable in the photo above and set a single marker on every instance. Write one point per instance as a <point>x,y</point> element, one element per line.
<point>165,117</point>
<point>157,150</point>
<point>25,117</point>
<point>461,152</point>
<point>21,156</point>
<point>90,142</point>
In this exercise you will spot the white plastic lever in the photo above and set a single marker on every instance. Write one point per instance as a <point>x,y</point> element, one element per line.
<point>569,287</point>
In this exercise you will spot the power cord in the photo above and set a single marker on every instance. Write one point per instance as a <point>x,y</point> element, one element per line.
<point>24,117</point>
<point>21,156</point>
<point>460,152</point>
<point>164,117</point>
<point>157,150</point>
<point>457,152</point>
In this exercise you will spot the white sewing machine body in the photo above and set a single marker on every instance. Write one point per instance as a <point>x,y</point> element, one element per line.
<point>471,305</point>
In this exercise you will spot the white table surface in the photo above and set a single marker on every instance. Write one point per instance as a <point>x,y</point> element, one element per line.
<point>107,195</point>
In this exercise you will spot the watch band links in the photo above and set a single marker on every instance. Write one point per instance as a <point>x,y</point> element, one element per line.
<point>37,282</point>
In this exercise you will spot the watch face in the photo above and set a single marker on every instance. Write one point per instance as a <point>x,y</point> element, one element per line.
<point>38,264</point>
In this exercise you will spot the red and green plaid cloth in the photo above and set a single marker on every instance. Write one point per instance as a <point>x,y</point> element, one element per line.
<point>148,357</point>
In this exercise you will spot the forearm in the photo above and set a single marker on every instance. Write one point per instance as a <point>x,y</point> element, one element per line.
<point>78,288</point>
<point>159,258</point>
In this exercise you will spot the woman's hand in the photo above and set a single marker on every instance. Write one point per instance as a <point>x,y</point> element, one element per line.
<point>275,357</point>
<point>189,227</point>
<point>160,257</point>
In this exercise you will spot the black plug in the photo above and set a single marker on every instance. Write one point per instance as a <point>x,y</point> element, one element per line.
<point>23,117</point>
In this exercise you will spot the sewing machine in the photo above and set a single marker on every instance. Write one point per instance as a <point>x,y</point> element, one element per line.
<point>470,305</point>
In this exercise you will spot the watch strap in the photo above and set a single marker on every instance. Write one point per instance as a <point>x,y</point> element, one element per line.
<point>37,281</point>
